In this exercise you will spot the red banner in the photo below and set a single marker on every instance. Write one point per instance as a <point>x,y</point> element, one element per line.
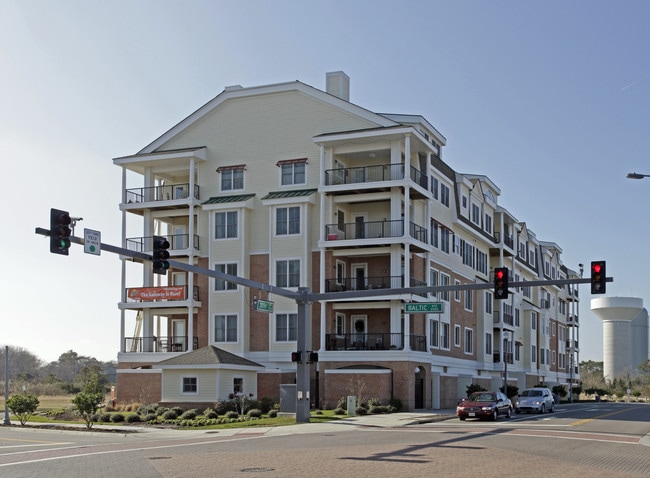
<point>157,293</point>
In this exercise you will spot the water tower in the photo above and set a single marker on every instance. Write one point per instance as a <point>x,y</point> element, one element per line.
<point>623,319</point>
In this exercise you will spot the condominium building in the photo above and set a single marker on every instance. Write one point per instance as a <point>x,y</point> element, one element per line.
<point>297,187</point>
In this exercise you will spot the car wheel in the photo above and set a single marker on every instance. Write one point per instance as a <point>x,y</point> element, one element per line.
<point>550,410</point>
<point>508,413</point>
<point>495,414</point>
<point>462,419</point>
<point>542,409</point>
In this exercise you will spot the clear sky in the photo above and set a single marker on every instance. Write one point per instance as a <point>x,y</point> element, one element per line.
<point>550,100</point>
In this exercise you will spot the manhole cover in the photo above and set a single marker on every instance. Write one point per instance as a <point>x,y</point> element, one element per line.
<point>257,469</point>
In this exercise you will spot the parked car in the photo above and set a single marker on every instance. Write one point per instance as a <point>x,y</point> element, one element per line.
<point>484,405</point>
<point>537,399</point>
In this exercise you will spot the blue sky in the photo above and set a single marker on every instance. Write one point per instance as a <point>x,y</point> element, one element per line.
<point>550,100</point>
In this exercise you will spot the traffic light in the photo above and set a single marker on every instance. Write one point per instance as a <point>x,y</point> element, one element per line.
<point>295,356</point>
<point>501,283</point>
<point>598,277</point>
<point>160,255</point>
<point>60,231</point>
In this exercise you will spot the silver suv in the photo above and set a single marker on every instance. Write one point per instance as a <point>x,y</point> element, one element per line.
<point>536,399</point>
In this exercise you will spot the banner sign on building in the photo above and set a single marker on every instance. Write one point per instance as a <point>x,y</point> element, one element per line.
<point>156,293</point>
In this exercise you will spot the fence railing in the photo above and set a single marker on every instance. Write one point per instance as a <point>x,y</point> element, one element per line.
<point>161,193</point>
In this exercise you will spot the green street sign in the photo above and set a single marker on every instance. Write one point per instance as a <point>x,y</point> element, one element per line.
<point>264,305</point>
<point>420,307</point>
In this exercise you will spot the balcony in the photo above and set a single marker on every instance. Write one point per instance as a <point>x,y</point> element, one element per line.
<point>177,242</point>
<point>158,344</point>
<point>375,341</point>
<point>370,231</point>
<point>168,192</point>
<point>376,178</point>
<point>497,357</point>
<point>508,318</point>
<point>368,283</point>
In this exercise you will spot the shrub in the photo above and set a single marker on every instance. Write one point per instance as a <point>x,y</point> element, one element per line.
<point>23,406</point>
<point>396,404</point>
<point>104,417</point>
<point>362,410</point>
<point>474,387</point>
<point>177,410</point>
<point>209,413</point>
<point>379,409</point>
<point>339,411</point>
<point>273,413</point>
<point>133,418</point>
<point>117,417</point>
<point>222,407</point>
<point>265,404</point>
<point>147,409</point>
<point>86,404</point>
<point>255,413</point>
<point>150,417</point>
<point>231,415</point>
<point>170,415</point>
<point>189,414</point>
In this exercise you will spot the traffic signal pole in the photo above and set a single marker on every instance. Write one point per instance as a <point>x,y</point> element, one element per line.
<point>305,298</point>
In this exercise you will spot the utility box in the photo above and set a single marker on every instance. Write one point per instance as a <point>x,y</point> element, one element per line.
<point>352,406</point>
<point>288,398</point>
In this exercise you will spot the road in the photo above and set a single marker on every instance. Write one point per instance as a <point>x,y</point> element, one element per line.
<point>597,440</point>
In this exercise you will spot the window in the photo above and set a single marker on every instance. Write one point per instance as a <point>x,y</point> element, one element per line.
<point>286,327</point>
<point>533,320</point>
<point>469,341</point>
<point>293,173</point>
<point>444,239</point>
<point>533,353</point>
<point>225,225</point>
<point>488,223</point>
<point>444,195</point>
<point>287,220</point>
<point>464,201</point>
<point>444,280</point>
<point>340,324</point>
<point>434,334</point>
<point>433,281</point>
<point>481,261</point>
<point>488,344</point>
<point>488,302</point>
<point>340,273</point>
<point>340,223</point>
<point>456,335</point>
<point>225,328</point>
<point>232,179</point>
<point>434,233</point>
<point>220,284</point>
<point>469,300</point>
<point>476,214</point>
<point>287,273</point>
<point>434,187</point>
<point>237,385</point>
<point>517,351</point>
<point>190,385</point>
<point>517,317</point>
<point>444,336</point>
<point>457,291</point>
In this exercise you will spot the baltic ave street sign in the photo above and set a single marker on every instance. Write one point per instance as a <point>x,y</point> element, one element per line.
<point>427,307</point>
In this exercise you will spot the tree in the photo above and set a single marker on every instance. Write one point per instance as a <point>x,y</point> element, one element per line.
<point>87,404</point>
<point>21,363</point>
<point>23,406</point>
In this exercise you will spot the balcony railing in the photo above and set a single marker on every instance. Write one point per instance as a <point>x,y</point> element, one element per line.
<point>374,341</point>
<point>364,174</point>
<point>497,357</point>
<point>419,178</point>
<point>158,344</point>
<point>160,193</point>
<point>195,295</point>
<point>507,318</point>
<point>368,283</point>
<point>177,242</point>
<point>418,232</point>
<point>364,230</point>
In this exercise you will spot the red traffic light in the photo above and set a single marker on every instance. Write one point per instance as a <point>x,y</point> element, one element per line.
<point>499,274</point>
<point>598,277</point>
<point>596,268</point>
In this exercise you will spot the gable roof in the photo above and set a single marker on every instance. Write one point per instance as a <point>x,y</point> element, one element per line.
<point>210,356</point>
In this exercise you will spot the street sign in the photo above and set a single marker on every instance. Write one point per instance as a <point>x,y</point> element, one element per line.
<point>92,242</point>
<point>427,307</point>
<point>264,305</point>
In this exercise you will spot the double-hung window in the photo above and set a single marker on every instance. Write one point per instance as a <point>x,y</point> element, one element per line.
<point>287,220</point>
<point>232,179</point>
<point>225,328</point>
<point>286,327</point>
<point>287,273</point>
<point>220,284</point>
<point>292,173</point>
<point>225,225</point>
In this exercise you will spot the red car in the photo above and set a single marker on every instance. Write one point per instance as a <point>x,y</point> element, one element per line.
<point>484,405</point>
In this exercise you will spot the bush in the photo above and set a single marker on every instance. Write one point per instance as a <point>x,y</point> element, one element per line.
<point>23,406</point>
<point>224,407</point>
<point>170,415</point>
<point>177,410</point>
<point>395,404</point>
<point>133,418</point>
<point>210,413</point>
<point>265,404</point>
<point>189,415</point>
<point>117,417</point>
<point>339,411</point>
<point>273,413</point>
<point>232,415</point>
<point>475,387</point>
<point>255,413</point>
<point>104,417</point>
<point>147,409</point>
<point>150,417</point>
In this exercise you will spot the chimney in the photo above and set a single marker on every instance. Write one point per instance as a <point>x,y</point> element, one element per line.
<point>338,84</point>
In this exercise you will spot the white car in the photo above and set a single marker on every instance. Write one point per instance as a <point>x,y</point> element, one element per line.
<point>536,399</point>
